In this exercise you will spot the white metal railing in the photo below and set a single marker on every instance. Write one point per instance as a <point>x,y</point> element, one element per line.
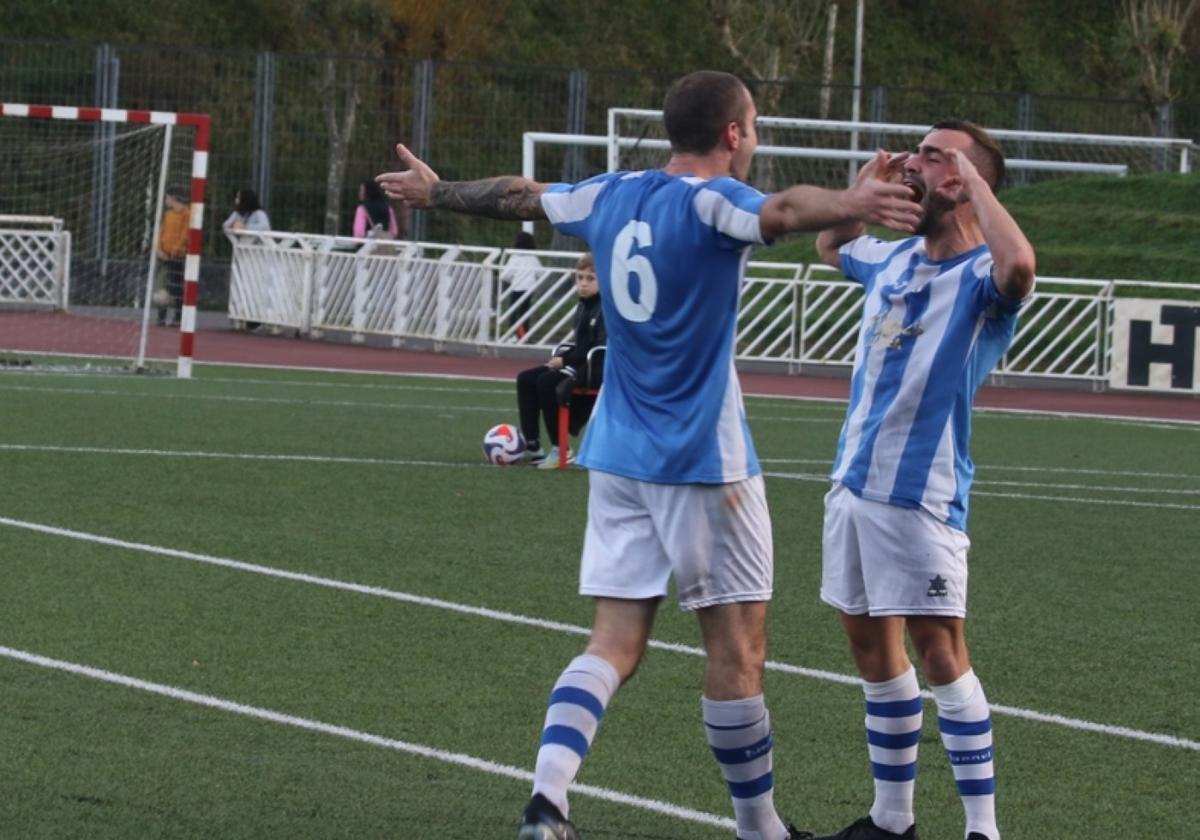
<point>35,261</point>
<point>799,316</point>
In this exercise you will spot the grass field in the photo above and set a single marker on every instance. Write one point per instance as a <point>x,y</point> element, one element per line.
<point>267,604</point>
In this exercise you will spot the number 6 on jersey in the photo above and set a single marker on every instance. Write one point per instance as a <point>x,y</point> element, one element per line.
<point>624,263</point>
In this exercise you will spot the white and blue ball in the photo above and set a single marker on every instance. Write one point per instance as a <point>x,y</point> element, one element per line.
<point>503,445</point>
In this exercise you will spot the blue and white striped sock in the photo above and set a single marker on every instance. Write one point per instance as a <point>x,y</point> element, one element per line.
<point>894,715</point>
<point>573,715</point>
<point>739,732</point>
<point>966,726</point>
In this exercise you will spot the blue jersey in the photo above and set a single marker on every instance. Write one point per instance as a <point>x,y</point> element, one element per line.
<point>931,331</point>
<point>670,256</point>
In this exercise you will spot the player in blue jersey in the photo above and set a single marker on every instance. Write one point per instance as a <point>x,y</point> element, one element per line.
<point>940,310</point>
<point>675,488</point>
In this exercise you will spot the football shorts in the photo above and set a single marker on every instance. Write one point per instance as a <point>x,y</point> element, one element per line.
<point>715,539</point>
<point>883,559</point>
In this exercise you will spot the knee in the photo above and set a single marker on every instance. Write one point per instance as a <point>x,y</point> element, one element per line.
<point>625,660</point>
<point>943,663</point>
<point>739,662</point>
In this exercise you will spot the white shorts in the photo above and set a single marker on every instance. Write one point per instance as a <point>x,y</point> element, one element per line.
<point>882,559</point>
<point>714,538</point>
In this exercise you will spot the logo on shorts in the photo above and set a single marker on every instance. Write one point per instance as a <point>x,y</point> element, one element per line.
<point>937,587</point>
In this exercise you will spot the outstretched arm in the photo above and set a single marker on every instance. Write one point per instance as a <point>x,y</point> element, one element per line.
<point>506,197</point>
<point>884,168</point>
<point>870,200</point>
<point>1013,259</point>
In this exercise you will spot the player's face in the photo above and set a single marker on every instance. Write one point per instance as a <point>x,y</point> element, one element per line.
<point>586,285</point>
<point>748,133</point>
<point>929,167</point>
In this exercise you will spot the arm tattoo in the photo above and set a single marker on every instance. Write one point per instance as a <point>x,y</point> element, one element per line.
<point>509,197</point>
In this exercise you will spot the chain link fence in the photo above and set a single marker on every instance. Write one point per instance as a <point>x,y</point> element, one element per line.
<point>304,131</point>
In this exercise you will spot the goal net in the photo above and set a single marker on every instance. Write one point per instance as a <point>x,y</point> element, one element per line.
<point>100,214</point>
<point>828,152</point>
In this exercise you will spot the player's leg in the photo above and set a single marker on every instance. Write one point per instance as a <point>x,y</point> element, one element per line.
<point>890,688</point>
<point>529,410</point>
<point>624,569</point>
<point>582,692</point>
<point>736,719</point>
<point>719,541</point>
<point>894,716</point>
<point>964,718</point>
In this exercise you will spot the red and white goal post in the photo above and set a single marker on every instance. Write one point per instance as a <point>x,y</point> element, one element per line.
<point>81,213</point>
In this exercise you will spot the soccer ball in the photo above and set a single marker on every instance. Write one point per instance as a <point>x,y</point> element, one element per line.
<point>503,445</point>
<point>161,298</point>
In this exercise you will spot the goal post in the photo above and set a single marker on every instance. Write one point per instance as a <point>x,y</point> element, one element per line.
<point>802,150</point>
<point>81,213</point>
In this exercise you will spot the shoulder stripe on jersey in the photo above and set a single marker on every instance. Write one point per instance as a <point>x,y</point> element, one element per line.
<point>719,212</point>
<point>573,206</point>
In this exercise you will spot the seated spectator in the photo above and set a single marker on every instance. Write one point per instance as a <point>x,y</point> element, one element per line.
<point>541,390</point>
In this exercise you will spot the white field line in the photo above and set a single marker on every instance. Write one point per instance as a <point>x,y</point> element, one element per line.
<point>408,462</point>
<point>825,462</point>
<point>819,478</point>
<point>238,399</point>
<point>243,456</point>
<point>514,618</point>
<point>1147,422</point>
<point>461,759</point>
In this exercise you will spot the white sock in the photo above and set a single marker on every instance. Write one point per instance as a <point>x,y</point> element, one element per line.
<point>739,733</point>
<point>573,715</point>
<point>965,723</point>
<point>894,714</point>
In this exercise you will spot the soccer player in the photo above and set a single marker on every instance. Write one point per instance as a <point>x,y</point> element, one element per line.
<point>675,487</point>
<point>940,310</point>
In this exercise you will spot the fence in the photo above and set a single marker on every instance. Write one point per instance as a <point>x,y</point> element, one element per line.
<point>270,131</point>
<point>792,317</point>
<point>35,255</point>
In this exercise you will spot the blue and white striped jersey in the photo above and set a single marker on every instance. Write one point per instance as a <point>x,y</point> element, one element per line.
<point>931,331</point>
<point>670,256</point>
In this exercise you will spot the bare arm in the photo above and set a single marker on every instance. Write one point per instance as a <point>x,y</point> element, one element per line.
<point>870,199</point>
<point>506,197</point>
<point>884,167</point>
<point>1014,262</point>
<point>831,239</point>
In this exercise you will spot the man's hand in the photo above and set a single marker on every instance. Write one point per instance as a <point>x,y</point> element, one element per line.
<point>878,198</point>
<point>555,363</point>
<point>419,187</point>
<point>884,167</point>
<point>412,187</point>
<point>964,180</point>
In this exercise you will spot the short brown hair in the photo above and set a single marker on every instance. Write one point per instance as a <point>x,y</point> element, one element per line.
<point>986,153</point>
<point>586,260</point>
<point>699,106</point>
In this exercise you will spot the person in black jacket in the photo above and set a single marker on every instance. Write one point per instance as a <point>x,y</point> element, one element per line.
<point>541,390</point>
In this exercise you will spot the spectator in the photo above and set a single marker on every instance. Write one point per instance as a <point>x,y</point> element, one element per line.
<point>518,281</point>
<point>544,388</point>
<point>247,213</point>
<point>374,217</point>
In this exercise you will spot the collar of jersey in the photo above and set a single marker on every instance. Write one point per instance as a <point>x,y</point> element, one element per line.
<point>956,259</point>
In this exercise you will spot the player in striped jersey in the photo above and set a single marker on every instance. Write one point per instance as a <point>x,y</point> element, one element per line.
<point>675,486</point>
<point>940,310</point>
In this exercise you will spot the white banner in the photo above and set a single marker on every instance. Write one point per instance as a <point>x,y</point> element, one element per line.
<point>1156,345</point>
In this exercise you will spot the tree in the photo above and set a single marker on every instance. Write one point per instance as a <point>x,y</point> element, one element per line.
<point>772,40</point>
<point>1157,30</point>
